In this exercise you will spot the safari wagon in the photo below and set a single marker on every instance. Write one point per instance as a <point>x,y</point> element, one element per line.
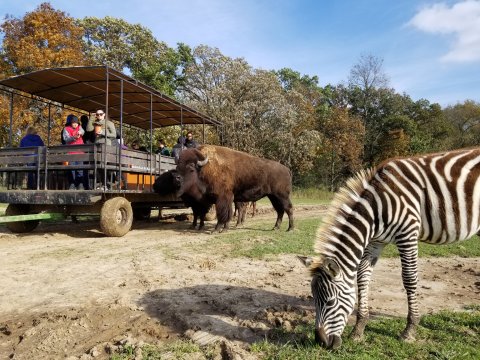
<point>83,90</point>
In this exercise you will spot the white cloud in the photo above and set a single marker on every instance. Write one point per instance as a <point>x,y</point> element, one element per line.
<point>461,20</point>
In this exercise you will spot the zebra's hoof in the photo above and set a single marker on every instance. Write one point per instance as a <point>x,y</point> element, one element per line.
<point>407,336</point>
<point>356,336</point>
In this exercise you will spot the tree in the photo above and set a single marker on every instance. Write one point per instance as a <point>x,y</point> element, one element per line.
<point>367,74</point>
<point>341,146</point>
<point>132,47</point>
<point>465,119</point>
<point>259,115</point>
<point>43,38</point>
<point>367,85</point>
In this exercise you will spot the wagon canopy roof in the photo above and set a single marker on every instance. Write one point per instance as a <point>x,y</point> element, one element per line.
<point>85,88</point>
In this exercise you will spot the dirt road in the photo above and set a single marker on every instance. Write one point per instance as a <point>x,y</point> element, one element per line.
<point>66,291</point>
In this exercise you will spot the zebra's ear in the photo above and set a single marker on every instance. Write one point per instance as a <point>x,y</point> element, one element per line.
<point>306,260</point>
<point>331,267</point>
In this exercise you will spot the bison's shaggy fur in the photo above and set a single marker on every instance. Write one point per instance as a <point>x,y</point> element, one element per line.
<point>220,176</point>
<point>168,183</point>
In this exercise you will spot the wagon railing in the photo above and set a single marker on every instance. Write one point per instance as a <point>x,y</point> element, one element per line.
<point>45,168</point>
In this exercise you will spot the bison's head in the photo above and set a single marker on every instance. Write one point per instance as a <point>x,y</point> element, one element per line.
<point>167,183</point>
<point>190,164</point>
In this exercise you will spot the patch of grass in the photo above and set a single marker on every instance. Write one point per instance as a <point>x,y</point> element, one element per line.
<point>467,248</point>
<point>311,196</point>
<point>446,335</point>
<point>257,240</point>
<point>175,350</point>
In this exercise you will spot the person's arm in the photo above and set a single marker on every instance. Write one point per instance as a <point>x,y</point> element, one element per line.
<point>111,131</point>
<point>67,137</point>
<point>90,122</point>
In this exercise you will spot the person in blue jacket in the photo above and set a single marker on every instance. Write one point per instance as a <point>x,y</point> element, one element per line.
<point>31,138</point>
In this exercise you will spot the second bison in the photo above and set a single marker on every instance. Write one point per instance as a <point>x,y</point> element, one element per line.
<point>220,175</point>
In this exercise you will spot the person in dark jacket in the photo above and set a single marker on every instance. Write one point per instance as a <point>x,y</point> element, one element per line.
<point>31,138</point>
<point>162,149</point>
<point>189,142</point>
<point>177,148</point>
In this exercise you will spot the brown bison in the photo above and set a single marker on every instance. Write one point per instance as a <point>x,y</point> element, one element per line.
<point>220,176</point>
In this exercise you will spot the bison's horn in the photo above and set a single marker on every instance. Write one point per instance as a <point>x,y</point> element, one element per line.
<point>202,162</point>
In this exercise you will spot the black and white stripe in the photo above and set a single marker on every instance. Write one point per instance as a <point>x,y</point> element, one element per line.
<point>432,198</point>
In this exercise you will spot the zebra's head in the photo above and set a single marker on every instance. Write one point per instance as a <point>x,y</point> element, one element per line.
<point>334,301</point>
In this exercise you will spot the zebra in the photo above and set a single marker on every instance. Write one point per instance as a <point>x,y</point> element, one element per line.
<point>431,198</point>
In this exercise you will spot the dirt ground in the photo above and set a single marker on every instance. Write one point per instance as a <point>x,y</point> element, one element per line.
<point>66,291</point>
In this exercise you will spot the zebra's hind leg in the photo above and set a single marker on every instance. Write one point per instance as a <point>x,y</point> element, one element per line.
<point>364,275</point>
<point>409,257</point>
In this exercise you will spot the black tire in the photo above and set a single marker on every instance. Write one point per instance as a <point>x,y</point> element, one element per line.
<point>142,213</point>
<point>116,217</point>
<point>20,226</point>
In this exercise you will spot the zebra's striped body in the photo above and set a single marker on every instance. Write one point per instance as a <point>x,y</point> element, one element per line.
<point>432,198</point>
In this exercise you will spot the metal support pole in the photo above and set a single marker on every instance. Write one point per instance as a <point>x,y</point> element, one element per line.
<point>181,121</point>
<point>104,147</point>
<point>121,138</point>
<point>49,124</point>
<point>151,139</point>
<point>10,138</point>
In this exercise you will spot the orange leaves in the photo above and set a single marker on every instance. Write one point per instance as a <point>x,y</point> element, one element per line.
<point>43,38</point>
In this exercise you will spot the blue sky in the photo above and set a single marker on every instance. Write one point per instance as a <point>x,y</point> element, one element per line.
<point>431,49</point>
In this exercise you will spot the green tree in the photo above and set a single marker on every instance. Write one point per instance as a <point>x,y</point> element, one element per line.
<point>133,48</point>
<point>465,119</point>
<point>340,149</point>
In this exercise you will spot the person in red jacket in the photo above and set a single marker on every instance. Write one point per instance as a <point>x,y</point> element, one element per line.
<point>72,135</point>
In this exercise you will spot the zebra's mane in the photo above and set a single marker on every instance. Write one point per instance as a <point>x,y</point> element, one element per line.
<point>347,196</point>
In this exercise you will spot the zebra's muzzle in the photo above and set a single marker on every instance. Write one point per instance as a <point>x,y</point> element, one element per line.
<point>327,342</point>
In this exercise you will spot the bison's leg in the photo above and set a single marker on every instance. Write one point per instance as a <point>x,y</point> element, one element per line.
<point>242,211</point>
<point>223,207</point>
<point>202,220</point>
<point>195,218</point>
<point>254,208</point>
<point>277,205</point>
<point>238,211</point>
<point>287,205</point>
<point>282,205</point>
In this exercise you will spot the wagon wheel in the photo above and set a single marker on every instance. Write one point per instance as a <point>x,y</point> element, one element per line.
<point>20,226</point>
<point>142,213</point>
<point>116,217</point>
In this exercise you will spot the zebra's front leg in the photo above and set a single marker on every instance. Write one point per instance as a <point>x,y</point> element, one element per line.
<point>409,257</point>
<point>364,275</point>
